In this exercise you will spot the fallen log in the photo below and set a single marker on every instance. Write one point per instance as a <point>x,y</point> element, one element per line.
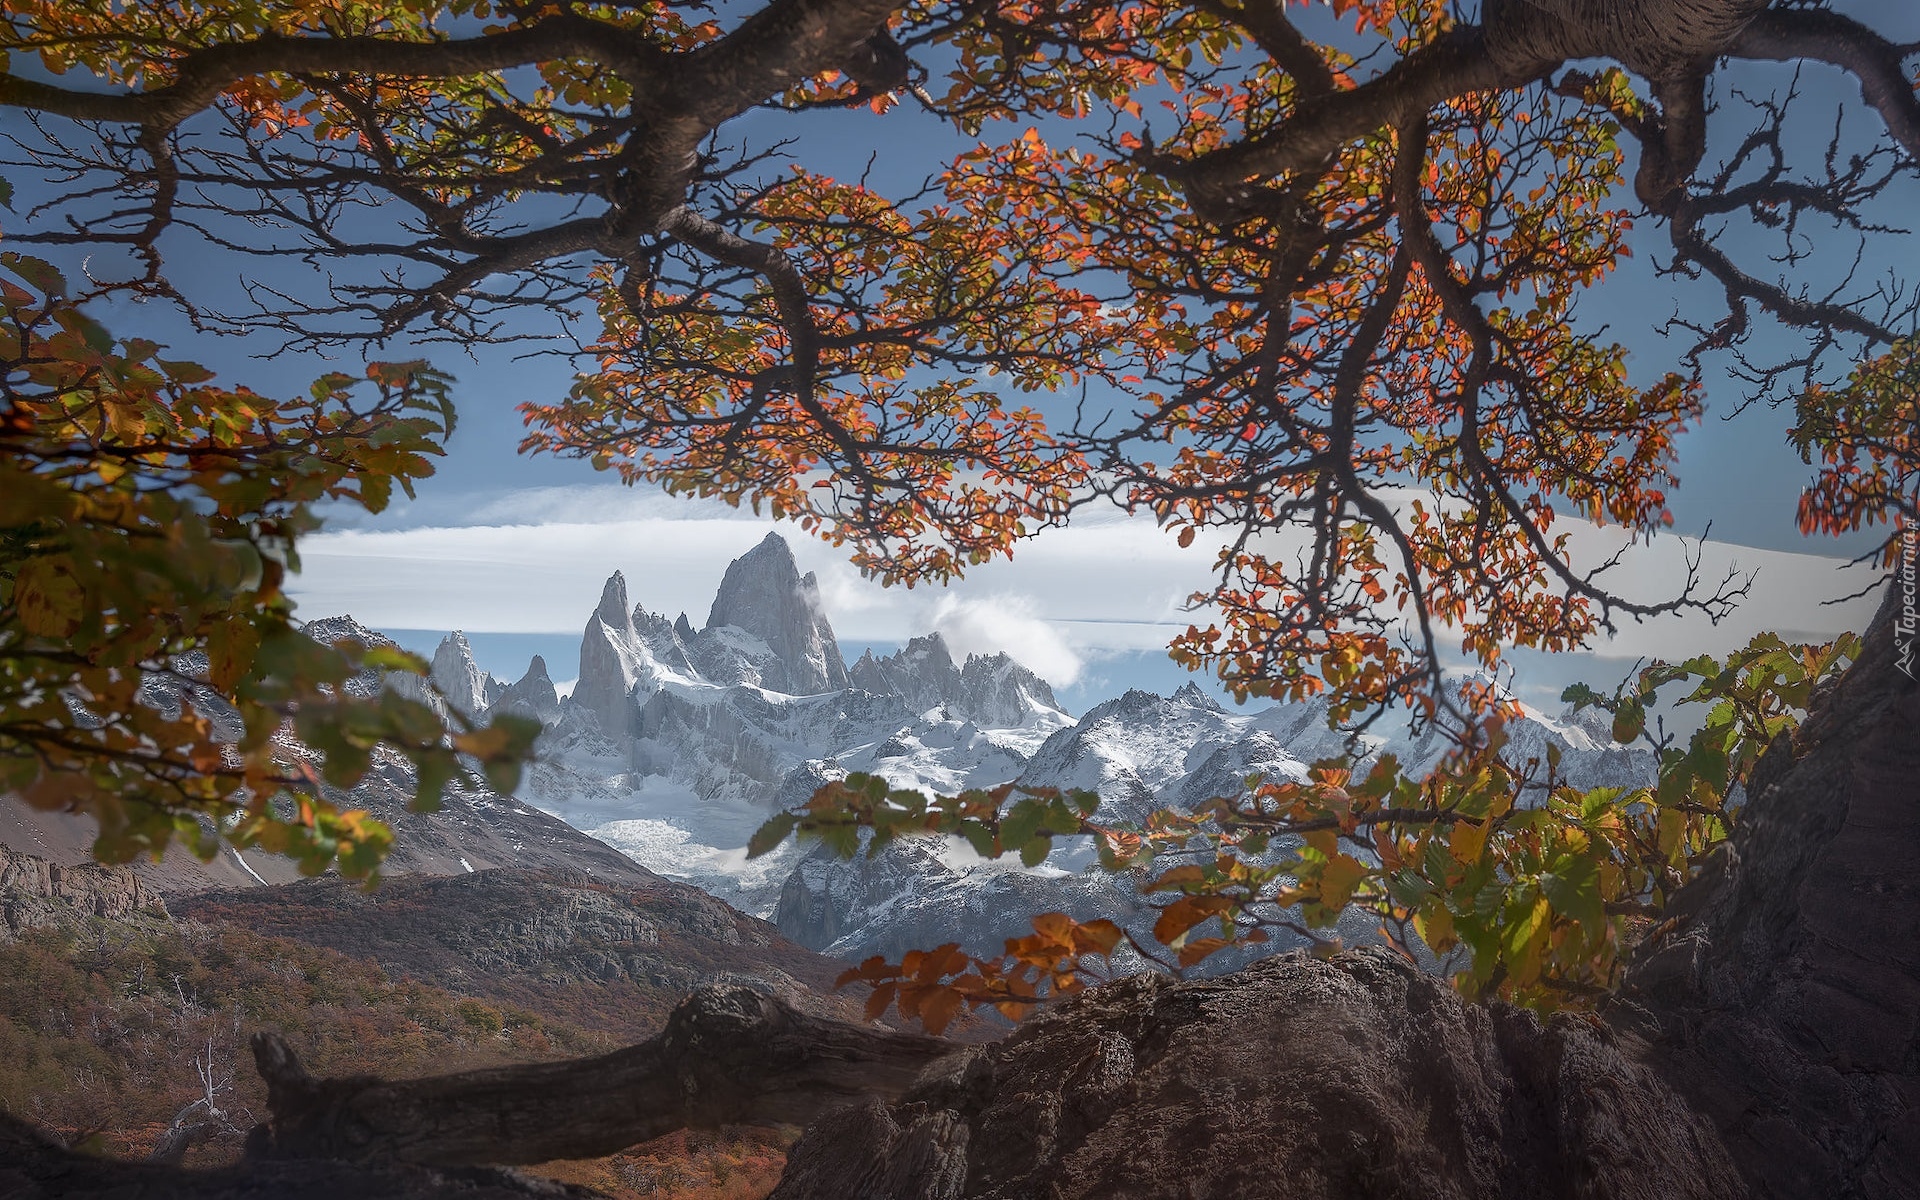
<point>727,1056</point>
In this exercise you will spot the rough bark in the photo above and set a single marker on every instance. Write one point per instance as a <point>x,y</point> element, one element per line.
<point>1657,39</point>
<point>727,1056</point>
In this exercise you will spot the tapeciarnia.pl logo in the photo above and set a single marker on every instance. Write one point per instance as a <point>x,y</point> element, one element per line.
<point>1906,626</point>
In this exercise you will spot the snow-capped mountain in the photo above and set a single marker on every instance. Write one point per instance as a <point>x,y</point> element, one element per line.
<point>677,743</point>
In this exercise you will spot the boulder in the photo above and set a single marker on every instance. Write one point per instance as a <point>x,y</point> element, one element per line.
<point>1786,1001</point>
<point>1298,1078</point>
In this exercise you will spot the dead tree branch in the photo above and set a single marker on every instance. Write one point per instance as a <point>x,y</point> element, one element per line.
<point>727,1056</point>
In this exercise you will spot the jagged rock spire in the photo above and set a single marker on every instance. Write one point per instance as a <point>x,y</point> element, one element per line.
<point>459,678</point>
<point>608,662</point>
<point>532,695</point>
<point>765,595</point>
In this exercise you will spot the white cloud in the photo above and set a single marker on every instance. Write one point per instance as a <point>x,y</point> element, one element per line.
<point>1069,597</point>
<point>995,623</point>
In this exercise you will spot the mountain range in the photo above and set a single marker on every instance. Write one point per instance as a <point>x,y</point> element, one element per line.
<point>676,743</point>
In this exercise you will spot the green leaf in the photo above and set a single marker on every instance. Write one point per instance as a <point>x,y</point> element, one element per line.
<point>1629,719</point>
<point>38,272</point>
<point>769,836</point>
<point>1021,822</point>
<point>1574,892</point>
<point>436,772</point>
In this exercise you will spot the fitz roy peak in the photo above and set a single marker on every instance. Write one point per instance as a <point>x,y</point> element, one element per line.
<point>766,630</point>
<point>764,596</point>
<point>676,744</point>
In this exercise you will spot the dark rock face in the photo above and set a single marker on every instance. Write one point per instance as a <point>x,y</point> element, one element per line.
<point>1787,1003</point>
<point>764,594</point>
<point>1356,1077</point>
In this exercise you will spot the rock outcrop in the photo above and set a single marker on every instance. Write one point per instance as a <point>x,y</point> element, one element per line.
<point>764,595</point>
<point>1786,1004</point>
<point>1355,1077</point>
<point>35,893</point>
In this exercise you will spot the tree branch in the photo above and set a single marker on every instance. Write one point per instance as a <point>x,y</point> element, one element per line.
<point>1216,182</point>
<point>202,74</point>
<point>1828,37</point>
<point>727,1056</point>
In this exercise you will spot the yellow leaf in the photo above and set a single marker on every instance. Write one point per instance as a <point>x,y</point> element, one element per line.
<point>48,597</point>
<point>1435,927</point>
<point>1339,879</point>
<point>1469,840</point>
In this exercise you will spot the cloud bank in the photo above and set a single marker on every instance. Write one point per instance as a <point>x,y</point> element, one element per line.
<point>534,562</point>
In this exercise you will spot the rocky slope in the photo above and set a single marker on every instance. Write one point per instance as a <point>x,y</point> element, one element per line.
<point>553,940</point>
<point>38,894</point>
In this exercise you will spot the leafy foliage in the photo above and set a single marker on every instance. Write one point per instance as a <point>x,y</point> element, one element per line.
<point>150,671</point>
<point>1498,872</point>
<point>1300,281</point>
<point>1866,435</point>
<point>1303,285</point>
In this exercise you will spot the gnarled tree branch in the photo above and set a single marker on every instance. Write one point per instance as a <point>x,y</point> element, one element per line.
<point>727,1056</point>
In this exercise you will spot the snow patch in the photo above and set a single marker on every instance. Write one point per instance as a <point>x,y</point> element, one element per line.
<point>244,867</point>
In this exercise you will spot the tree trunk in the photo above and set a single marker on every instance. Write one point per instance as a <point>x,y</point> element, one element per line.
<point>1657,39</point>
<point>727,1056</point>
